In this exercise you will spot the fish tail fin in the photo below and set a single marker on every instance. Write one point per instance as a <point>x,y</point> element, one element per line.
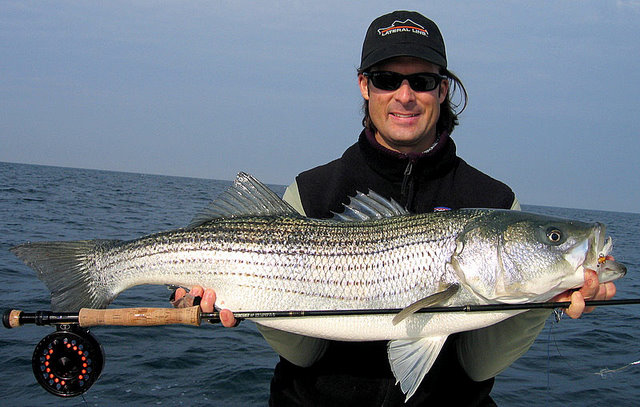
<point>67,269</point>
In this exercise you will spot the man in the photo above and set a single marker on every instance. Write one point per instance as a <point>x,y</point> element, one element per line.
<point>406,153</point>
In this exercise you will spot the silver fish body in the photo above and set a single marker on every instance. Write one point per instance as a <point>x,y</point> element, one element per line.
<point>258,254</point>
<point>290,262</point>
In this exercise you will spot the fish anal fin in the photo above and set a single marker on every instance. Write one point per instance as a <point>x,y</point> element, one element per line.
<point>411,360</point>
<point>438,298</point>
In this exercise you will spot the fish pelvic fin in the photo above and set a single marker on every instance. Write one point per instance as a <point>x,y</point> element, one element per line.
<point>438,298</point>
<point>411,360</point>
<point>246,197</point>
<point>65,268</point>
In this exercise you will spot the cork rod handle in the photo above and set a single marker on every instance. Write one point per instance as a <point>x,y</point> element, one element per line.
<point>139,316</point>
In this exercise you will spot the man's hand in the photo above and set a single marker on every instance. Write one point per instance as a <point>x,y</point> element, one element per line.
<point>206,299</point>
<point>591,290</point>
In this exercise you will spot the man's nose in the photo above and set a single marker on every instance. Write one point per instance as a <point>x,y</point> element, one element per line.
<point>404,93</point>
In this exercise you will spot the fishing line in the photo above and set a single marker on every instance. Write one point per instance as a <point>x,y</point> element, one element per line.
<point>565,359</point>
<point>604,372</point>
<point>558,313</point>
<point>549,358</point>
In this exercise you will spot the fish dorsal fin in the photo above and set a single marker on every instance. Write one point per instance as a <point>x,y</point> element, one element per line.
<point>246,197</point>
<point>369,207</point>
<point>411,360</point>
<point>438,298</point>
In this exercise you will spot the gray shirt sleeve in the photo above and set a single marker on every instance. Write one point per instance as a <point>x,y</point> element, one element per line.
<point>485,352</point>
<point>300,350</point>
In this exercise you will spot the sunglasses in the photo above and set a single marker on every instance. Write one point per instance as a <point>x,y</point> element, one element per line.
<point>419,82</point>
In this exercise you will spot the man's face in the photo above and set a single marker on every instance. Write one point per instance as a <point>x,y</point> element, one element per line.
<point>405,119</point>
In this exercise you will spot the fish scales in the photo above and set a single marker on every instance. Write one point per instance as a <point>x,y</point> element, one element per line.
<point>367,264</point>
<point>345,261</point>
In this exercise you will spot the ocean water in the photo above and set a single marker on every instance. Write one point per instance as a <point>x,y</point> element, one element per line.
<point>211,365</point>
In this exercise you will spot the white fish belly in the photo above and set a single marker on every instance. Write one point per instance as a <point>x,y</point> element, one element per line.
<point>380,327</point>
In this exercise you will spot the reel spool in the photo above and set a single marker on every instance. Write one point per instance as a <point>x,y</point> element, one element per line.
<point>67,362</point>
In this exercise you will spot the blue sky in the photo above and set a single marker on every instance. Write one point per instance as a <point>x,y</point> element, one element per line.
<point>206,89</point>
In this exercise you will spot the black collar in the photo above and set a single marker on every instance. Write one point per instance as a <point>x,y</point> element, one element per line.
<point>392,165</point>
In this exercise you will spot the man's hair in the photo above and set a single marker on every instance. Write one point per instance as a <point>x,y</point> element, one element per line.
<point>448,109</point>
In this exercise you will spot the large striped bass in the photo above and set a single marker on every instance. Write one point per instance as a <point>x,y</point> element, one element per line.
<point>259,254</point>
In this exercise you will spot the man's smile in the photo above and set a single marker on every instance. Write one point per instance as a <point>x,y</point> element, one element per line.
<point>406,115</point>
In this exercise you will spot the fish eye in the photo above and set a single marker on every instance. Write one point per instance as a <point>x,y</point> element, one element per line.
<point>554,235</point>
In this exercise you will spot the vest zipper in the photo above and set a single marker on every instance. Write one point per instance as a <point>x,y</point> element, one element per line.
<point>407,185</point>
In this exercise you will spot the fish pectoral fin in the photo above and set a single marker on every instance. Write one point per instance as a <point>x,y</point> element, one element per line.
<point>411,360</point>
<point>436,299</point>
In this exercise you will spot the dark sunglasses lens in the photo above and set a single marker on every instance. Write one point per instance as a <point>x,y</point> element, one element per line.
<point>423,83</point>
<point>393,80</point>
<point>386,80</point>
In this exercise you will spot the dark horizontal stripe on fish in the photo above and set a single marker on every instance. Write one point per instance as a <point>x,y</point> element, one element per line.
<point>326,247</point>
<point>395,284</point>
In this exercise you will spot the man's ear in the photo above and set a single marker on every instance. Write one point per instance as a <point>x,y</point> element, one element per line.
<point>363,83</point>
<point>443,90</point>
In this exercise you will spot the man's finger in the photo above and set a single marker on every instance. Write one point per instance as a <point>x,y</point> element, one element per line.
<point>227,318</point>
<point>591,284</point>
<point>208,300</point>
<point>576,308</point>
<point>196,291</point>
<point>178,300</point>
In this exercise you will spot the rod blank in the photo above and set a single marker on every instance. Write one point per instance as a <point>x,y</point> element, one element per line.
<point>214,317</point>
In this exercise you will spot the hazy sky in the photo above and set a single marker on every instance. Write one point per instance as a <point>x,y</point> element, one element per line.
<point>210,88</point>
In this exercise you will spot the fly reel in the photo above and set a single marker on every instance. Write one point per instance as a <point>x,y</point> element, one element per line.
<point>67,362</point>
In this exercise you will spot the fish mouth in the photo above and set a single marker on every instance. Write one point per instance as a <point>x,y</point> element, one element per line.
<point>592,252</point>
<point>611,270</point>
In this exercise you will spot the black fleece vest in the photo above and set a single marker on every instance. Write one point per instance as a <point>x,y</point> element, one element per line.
<point>358,373</point>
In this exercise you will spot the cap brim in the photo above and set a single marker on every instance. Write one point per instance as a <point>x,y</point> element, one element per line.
<point>403,50</point>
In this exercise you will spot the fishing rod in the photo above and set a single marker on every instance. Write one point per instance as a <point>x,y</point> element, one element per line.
<point>87,317</point>
<point>68,361</point>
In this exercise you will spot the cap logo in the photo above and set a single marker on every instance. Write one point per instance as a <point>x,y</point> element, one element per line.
<point>403,26</point>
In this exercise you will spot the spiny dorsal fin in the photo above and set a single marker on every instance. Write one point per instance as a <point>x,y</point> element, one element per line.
<point>369,207</point>
<point>246,197</point>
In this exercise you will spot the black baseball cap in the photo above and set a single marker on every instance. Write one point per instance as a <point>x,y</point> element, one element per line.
<point>402,33</point>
